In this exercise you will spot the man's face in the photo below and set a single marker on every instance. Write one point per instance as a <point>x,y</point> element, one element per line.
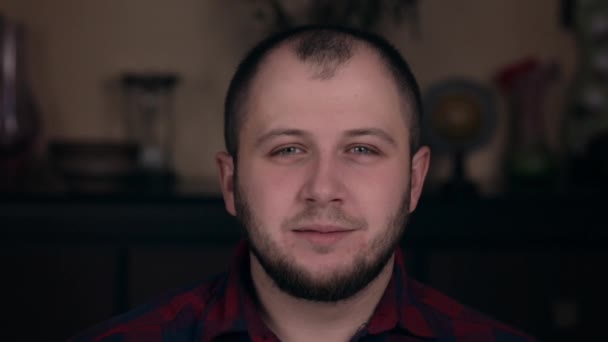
<point>323,176</point>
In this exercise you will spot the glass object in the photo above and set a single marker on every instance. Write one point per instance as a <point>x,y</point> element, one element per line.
<point>585,124</point>
<point>151,124</point>
<point>531,166</point>
<point>19,124</point>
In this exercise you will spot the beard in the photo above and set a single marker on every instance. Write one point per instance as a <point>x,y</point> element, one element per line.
<point>342,284</point>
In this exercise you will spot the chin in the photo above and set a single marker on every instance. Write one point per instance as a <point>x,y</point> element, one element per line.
<point>325,267</point>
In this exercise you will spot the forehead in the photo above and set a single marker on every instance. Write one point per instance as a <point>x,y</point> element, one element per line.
<point>289,92</point>
<point>284,64</point>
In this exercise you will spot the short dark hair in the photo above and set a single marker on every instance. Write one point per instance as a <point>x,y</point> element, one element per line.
<point>326,47</point>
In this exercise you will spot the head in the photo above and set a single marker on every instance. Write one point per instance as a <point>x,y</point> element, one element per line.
<point>323,164</point>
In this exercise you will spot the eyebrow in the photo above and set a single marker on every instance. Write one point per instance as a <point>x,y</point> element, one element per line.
<point>280,132</point>
<point>376,132</point>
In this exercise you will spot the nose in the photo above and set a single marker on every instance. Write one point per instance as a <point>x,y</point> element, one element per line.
<point>324,182</point>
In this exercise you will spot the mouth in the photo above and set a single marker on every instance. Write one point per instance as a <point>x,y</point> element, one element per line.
<point>322,235</point>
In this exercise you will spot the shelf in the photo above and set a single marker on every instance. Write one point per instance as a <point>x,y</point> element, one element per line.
<point>526,222</point>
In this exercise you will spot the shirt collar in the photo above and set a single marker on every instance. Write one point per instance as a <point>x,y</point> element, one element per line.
<point>238,309</point>
<point>400,305</point>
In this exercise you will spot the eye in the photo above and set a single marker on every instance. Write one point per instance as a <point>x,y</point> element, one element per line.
<point>360,149</point>
<point>286,151</point>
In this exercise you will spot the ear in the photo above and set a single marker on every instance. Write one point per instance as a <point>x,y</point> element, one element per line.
<point>420,167</point>
<point>225,165</point>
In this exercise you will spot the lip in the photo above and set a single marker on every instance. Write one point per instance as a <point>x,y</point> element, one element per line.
<point>323,235</point>
<point>322,229</point>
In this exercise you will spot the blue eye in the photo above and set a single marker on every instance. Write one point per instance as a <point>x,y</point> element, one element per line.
<point>289,150</point>
<point>362,150</point>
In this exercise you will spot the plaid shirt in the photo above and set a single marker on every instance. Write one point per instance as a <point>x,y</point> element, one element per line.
<point>223,309</point>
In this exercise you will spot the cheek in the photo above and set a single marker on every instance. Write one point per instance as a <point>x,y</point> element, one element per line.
<point>378,191</point>
<point>270,192</point>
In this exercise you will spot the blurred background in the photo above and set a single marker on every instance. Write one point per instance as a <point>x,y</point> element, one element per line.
<point>111,114</point>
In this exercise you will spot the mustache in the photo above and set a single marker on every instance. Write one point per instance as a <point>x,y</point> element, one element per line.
<point>330,214</point>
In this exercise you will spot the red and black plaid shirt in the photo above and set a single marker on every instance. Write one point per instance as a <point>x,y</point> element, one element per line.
<point>223,310</point>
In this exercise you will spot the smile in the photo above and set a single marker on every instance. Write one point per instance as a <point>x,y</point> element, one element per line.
<point>322,236</point>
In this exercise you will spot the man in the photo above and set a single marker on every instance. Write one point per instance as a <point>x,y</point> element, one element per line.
<point>323,167</point>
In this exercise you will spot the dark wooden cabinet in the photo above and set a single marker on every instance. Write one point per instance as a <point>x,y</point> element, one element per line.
<point>71,261</point>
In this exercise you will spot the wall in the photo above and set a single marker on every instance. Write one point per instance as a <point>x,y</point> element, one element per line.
<point>77,49</point>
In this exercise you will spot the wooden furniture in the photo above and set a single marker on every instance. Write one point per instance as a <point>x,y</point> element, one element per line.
<point>71,261</point>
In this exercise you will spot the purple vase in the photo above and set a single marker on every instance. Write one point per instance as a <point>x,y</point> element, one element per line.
<point>19,121</point>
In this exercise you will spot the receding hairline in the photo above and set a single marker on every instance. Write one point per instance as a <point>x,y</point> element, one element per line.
<point>357,47</point>
<point>248,73</point>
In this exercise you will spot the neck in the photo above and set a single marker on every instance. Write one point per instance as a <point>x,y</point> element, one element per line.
<point>293,319</point>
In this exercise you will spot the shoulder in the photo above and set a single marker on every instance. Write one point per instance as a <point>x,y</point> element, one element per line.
<point>448,317</point>
<point>175,314</point>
